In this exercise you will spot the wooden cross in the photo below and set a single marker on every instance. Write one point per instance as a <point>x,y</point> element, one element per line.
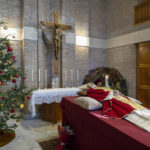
<point>57,30</point>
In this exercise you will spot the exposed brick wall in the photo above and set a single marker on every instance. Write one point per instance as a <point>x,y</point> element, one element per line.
<point>120,17</point>
<point>124,59</point>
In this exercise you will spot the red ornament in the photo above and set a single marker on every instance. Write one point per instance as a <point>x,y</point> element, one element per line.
<point>1,72</point>
<point>9,49</point>
<point>28,97</point>
<point>13,57</point>
<point>1,82</point>
<point>15,89</point>
<point>3,97</point>
<point>14,80</point>
<point>17,75</point>
<point>12,111</point>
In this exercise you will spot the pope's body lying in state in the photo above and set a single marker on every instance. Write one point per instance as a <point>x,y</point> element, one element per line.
<point>116,105</point>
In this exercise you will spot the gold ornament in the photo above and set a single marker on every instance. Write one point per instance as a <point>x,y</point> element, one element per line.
<point>1,53</point>
<point>1,105</point>
<point>17,120</point>
<point>12,67</point>
<point>11,78</point>
<point>8,61</point>
<point>21,106</point>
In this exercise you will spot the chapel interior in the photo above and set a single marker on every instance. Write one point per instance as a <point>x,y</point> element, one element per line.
<point>61,45</point>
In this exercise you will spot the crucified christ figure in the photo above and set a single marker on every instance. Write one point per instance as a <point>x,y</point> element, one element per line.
<point>57,35</point>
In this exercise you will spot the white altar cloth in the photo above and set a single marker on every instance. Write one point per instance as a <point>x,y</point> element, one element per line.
<point>49,96</point>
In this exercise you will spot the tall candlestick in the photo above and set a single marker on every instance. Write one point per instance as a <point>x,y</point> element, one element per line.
<point>77,74</point>
<point>66,78</point>
<point>77,77</point>
<point>46,78</point>
<point>39,75</point>
<point>71,73</point>
<point>39,79</point>
<point>106,81</point>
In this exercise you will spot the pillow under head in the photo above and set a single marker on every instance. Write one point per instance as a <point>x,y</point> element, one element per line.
<point>88,103</point>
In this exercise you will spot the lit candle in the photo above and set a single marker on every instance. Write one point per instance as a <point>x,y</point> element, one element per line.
<point>106,81</point>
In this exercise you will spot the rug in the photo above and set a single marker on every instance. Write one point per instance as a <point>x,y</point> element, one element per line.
<point>49,144</point>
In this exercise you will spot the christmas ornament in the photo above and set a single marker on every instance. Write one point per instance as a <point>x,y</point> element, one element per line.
<point>14,80</point>
<point>21,106</point>
<point>5,70</point>
<point>11,78</point>
<point>28,97</point>
<point>1,53</point>
<point>15,89</point>
<point>12,67</point>
<point>17,75</point>
<point>12,111</point>
<point>9,49</point>
<point>1,82</point>
<point>8,61</point>
<point>1,72</point>
<point>13,57</point>
<point>3,97</point>
<point>1,105</point>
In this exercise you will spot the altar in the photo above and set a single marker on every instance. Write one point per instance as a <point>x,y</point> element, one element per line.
<point>50,99</point>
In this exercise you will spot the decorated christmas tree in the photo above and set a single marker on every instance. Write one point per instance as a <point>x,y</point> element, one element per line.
<point>12,93</point>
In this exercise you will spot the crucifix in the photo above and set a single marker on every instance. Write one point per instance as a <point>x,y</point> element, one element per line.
<point>57,35</point>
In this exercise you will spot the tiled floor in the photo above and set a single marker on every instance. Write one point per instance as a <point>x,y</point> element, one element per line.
<point>29,132</point>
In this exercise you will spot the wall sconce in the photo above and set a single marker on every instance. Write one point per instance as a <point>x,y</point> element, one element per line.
<point>82,41</point>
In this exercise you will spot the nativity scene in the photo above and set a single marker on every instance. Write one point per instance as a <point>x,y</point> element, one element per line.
<point>74,75</point>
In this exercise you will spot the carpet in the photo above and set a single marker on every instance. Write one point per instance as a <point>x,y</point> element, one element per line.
<point>49,144</point>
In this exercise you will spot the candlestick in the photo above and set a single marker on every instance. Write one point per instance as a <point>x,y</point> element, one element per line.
<point>46,78</point>
<point>106,81</point>
<point>39,78</point>
<point>66,78</point>
<point>71,73</point>
<point>77,76</point>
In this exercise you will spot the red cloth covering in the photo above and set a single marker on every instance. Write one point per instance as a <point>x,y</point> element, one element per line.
<point>112,108</point>
<point>93,131</point>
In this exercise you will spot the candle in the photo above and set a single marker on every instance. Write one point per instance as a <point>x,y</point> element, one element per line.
<point>71,74</point>
<point>77,74</point>
<point>39,79</point>
<point>32,76</point>
<point>66,78</point>
<point>46,78</point>
<point>106,81</point>
<point>39,75</point>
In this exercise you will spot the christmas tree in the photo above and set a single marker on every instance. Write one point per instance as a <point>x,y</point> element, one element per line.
<point>16,94</point>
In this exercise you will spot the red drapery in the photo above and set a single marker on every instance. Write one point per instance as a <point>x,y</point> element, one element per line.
<point>113,107</point>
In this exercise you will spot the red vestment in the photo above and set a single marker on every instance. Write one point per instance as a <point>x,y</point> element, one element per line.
<point>113,107</point>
